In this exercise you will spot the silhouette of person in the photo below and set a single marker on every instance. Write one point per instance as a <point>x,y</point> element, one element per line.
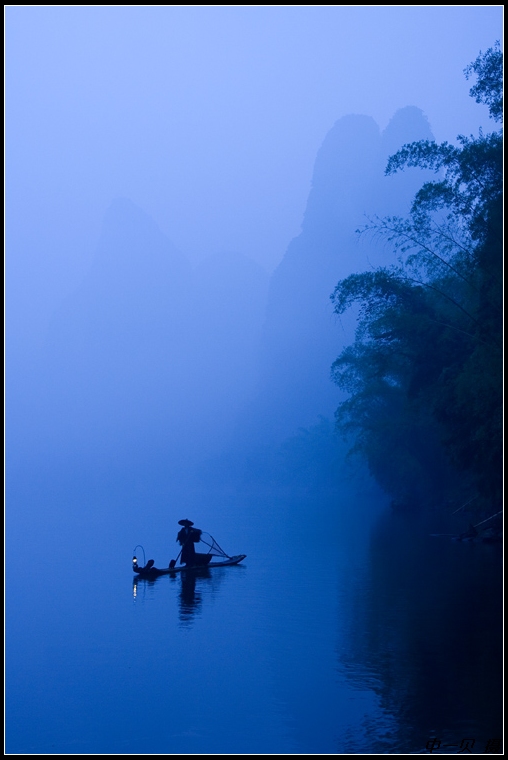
<point>187,537</point>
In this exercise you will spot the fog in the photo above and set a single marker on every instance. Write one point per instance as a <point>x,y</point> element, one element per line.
<point>183,188</point>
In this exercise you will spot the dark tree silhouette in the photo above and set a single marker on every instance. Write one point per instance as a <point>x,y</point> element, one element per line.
<point>425,371</point>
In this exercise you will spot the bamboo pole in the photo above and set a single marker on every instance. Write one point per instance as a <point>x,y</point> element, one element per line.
<point>488,518</point>
<point>464,505</point>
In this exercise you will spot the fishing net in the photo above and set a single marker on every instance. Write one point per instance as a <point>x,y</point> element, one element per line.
<point>213,546</point>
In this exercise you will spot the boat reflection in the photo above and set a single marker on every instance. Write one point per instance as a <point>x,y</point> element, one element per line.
<point>189,599</point>
<point>194,585</point>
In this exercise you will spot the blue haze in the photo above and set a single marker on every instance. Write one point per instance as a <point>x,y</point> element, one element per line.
<point>183,186</point>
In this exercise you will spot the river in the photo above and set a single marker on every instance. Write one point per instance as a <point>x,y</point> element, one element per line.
<point>345,630</point>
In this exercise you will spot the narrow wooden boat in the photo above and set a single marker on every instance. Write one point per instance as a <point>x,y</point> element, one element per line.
<point>150,571</point>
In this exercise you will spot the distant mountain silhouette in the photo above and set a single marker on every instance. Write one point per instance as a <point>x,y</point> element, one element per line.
<point>229,303</point>
<point>148,354</point>
<point>301,336</point>
<point>155,359</point>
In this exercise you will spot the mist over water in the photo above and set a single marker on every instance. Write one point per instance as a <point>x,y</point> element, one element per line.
<point>183,192</point>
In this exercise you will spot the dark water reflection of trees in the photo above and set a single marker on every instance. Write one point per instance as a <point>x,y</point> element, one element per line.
<point>426,634</point>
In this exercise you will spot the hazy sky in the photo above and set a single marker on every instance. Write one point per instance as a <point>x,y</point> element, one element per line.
<point>207,118</point>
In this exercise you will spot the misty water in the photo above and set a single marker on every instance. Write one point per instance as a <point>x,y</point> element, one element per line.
<point>346,628</point>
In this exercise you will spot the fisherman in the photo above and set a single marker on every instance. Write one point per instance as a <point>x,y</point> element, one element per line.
<point>187,537</point>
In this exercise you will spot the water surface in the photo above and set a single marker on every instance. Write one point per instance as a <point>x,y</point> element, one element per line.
<point>344,630</point>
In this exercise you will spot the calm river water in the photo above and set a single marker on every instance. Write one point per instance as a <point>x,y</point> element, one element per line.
<point>345,630</point>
